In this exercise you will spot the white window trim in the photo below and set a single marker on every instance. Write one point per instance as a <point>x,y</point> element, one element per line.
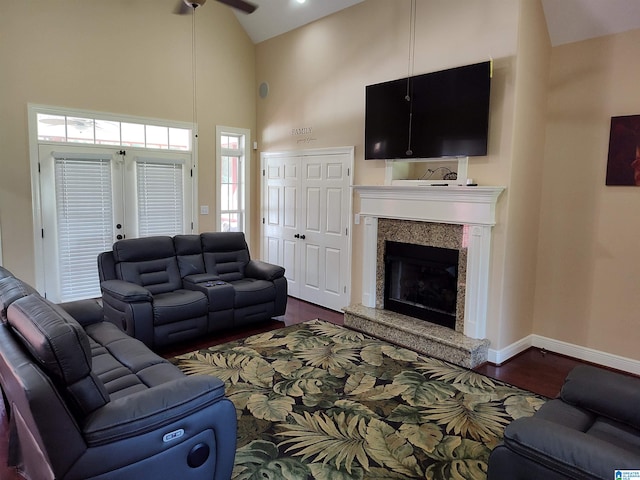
<point>32,112</point>
<point>120,118</point>
<point>221,130</point>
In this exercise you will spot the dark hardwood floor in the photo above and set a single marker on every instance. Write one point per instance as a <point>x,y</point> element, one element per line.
<point>534,370</point>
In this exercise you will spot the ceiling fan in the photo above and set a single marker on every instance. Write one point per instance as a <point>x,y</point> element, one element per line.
<point>185,6</point>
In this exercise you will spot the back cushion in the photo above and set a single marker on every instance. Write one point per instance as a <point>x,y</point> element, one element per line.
<point>149,262</point>
<point>225,254</point>
<point>189,253</point>
<point>157,276</point>
<point>140,249</point>
<point>61,348</point>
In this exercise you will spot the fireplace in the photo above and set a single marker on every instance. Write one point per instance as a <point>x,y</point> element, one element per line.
<point>421,281</point>
<point>455,217</point>
<point>426,239</point>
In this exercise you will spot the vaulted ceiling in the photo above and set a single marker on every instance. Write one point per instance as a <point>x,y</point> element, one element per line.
<point>567,20</point>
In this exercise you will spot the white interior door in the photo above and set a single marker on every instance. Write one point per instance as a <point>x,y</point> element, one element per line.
<point>324,239</point>
<point>307,207</point>
<point>280,206</point>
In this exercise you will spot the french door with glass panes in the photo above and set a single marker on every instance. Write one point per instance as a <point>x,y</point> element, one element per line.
<point>93,196</point>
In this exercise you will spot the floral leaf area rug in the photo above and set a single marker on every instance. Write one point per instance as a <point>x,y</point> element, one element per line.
<point>320,401</point>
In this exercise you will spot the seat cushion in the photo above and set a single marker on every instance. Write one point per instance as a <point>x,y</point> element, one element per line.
<point>618,434</point>
<point>611,431</point>
<point>125,365</point>
<point>557,411</point>
<point>253,292</point>
<point>178,305</point>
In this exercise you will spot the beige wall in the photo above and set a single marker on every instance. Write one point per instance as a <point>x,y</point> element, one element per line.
<point>587,272</point>
<point>317,76</point>
<point>515,264</point>
<point>119,57</point>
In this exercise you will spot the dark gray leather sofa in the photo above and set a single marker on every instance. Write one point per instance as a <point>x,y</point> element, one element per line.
<point>162,290</point>
<point>589,432</point>
<point>86,401</point>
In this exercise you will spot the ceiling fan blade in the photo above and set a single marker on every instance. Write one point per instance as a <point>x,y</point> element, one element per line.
<point>241,5</point>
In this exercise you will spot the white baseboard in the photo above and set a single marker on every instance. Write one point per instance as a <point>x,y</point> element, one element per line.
<point>576,351</point>
<point>501,356</point>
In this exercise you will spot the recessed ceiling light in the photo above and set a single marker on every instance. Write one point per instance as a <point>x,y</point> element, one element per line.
<point>302,1</point>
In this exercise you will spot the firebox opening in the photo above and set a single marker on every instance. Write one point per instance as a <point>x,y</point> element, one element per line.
<point>421,281</point>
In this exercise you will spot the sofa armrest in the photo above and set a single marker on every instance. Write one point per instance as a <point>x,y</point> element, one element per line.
<point>570,452</point>
<point>612,395</point>
<point>151,409</point>
<point>263,270</point>
<point>200,278</point>
<point>125,291</point>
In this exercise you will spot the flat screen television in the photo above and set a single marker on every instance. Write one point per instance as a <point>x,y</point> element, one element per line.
<point>439,114</point>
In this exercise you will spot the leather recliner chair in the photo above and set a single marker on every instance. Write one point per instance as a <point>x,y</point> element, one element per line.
<point>591,431</point>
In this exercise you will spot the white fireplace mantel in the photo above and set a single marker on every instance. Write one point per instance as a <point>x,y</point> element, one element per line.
<point>463,205</point>
<point>451,204</point>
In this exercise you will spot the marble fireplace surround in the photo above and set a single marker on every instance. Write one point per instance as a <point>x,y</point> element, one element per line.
<point>431,234</point>
<point>458,217</point>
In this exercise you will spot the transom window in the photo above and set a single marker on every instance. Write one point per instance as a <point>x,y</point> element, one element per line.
<point>98,131</point>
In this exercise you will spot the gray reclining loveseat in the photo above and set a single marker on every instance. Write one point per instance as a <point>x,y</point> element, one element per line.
<point>88,402</point>
<point>162,290</point>
<point>590,432</point>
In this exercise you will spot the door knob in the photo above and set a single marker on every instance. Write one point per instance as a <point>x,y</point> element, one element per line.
<point>302,237</point>
<point>297,235</point>
<point>119,237</point>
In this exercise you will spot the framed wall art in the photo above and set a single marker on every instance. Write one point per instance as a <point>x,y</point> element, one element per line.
<point>623,164</point>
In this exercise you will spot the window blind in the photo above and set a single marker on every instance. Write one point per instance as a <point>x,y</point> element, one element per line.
<point>84,222</point>
<point>160,197</point>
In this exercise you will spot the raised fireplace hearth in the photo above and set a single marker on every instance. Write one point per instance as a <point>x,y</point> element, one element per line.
<point>418,335</point>
<point>456,218</point>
